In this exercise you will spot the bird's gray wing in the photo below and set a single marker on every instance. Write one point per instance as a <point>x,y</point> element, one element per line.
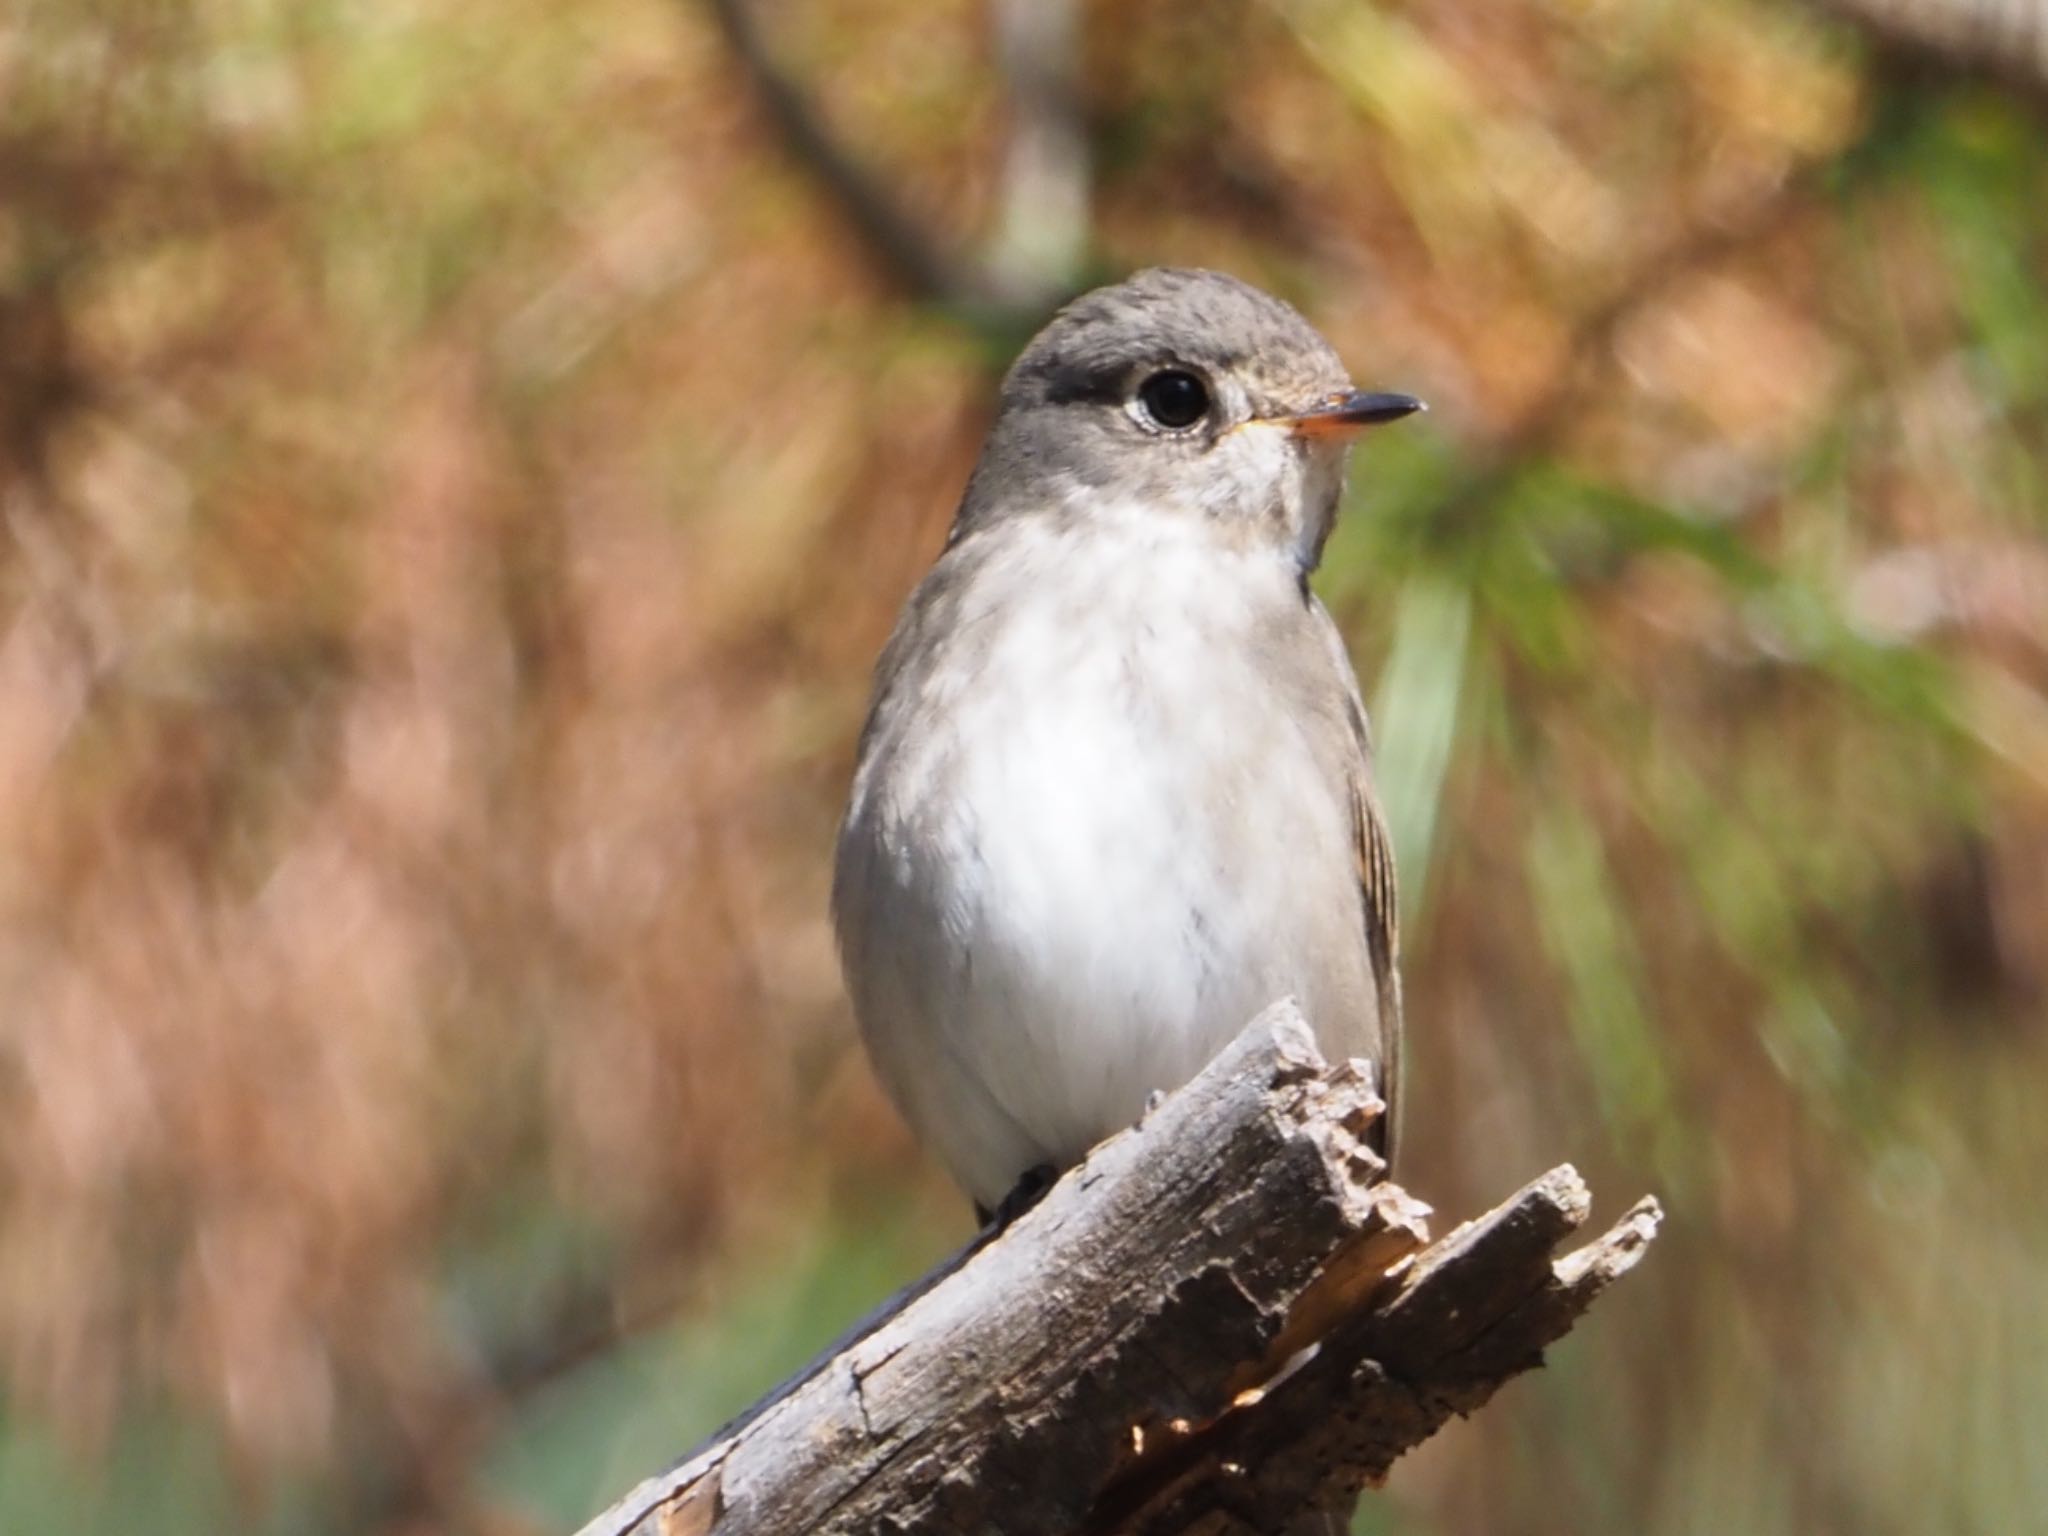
<point>1373,854</point>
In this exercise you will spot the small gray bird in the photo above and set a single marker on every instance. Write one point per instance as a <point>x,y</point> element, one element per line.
<point>1115,789</point>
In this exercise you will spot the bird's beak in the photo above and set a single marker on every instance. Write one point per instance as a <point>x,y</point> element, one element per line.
<point>1351,412</point>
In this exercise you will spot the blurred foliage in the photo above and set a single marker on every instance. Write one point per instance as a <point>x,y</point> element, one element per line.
<point>458,466</point>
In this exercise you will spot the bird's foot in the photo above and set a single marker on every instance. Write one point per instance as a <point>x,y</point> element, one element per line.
<point>1023,1195</point>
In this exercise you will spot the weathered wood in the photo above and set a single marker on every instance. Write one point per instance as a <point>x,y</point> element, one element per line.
<point>2006,39</point>
<point>1223,1321</point>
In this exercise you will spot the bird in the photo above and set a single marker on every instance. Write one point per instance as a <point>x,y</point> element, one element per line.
<point>1114,791</point>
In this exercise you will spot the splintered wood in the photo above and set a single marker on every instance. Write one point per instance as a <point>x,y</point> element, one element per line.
<point>1223,1321</point>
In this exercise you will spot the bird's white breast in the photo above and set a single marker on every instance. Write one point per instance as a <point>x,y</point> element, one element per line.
<point>1072,856</point>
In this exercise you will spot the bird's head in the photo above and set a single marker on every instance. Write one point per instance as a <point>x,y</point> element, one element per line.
<point>1184,391</point>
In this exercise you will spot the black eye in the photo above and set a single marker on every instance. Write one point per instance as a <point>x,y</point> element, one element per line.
<point>1174,398</point>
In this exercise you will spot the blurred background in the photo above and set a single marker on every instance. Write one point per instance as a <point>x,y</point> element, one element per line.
<point>459,461</point>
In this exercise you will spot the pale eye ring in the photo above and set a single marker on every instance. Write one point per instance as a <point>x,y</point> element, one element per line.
<point>1174,399</point>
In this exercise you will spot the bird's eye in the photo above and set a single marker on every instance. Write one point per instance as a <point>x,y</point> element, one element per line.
<point>1174,398</point>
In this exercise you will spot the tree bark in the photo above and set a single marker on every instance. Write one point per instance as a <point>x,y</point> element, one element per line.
<point>1225,1320</point>
<point>2006,39</point>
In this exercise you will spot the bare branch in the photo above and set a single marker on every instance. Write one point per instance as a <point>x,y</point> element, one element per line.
<point>913,257</point>
<point>1036,256</point>
<point>1223,1321</point>
<point>1043,235</point>
<point>2006,39</point>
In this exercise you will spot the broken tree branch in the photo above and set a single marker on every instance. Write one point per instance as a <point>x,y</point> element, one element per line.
<point>1223,1321</point>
